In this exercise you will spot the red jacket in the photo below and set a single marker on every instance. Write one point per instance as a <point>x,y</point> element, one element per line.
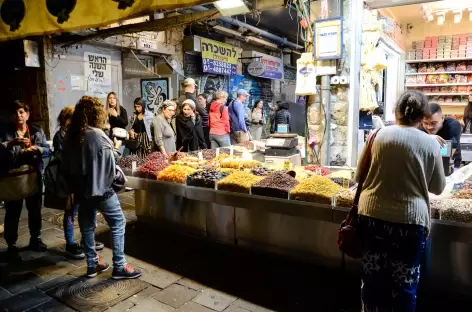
<point>219,119</point>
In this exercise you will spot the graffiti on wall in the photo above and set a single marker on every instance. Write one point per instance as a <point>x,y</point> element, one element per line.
<point>154,92</point>
<point>211,83</point>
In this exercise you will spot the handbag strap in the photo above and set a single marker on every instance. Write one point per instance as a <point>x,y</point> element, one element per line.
<point>365,170</point>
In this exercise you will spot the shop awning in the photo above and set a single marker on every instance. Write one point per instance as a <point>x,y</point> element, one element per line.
<point>22,18</point>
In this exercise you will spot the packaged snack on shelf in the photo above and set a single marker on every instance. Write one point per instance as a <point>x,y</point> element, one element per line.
<point>411,79</point>
<point>461,66</point>
<point>454,88</point>
<point>452,79</point>
<point>431,68</point>
<point>456,99</point>
<point>451,67</point>
<point>421,79</point>
<point>469,78</point>
<point>461,78</point>
<point>435,89</point>
<point>448,99</point>
<point>432,79</point>
<point>411,68</point>
<point>435,98</point>
<point>462,89</point>
<point>440,67</point>
<point>427,90</point>
<point>422,68</point>
<point>443,78</point>
<point>469,66</point>
<point>441,99</point>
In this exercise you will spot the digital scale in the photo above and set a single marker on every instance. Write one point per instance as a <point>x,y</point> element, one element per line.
<point>466,147</point>
<point>281,147</point>
<point>446,153</point>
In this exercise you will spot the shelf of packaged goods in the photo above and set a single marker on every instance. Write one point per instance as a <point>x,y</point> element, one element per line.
<point>439,60</point>
<point>453,104</point>
<point>438,85</point>
<point>445,93</point>
<point>440,73</point>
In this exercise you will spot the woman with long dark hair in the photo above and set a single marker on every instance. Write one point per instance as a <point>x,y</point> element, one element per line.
<point>190,135</point>
<point>467,124</point>
<point>140,131</point>
<point>90,162</point>
<point>23,144</point>
<point>394,213</point>
<point>258,120</point>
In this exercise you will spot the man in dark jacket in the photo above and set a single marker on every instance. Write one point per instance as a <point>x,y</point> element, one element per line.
<point>189,94</point>
<point>282,116</point>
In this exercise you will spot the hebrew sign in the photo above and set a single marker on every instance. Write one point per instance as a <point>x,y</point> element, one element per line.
<point>97,72</point>
<point>218,58</point>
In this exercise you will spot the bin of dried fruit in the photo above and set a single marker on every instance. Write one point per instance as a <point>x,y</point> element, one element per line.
<point>463,194</point>
<point>126,163</point>
<point>236,163</point>
<point>153,163</point>
<point>340,181</point>
<point>206,178</point>
<point>459,210</point>
<point>316,189</point>
<point>175,173</point>
<point>345,198</point>
<point>314,168</point>
<point>262,171</point>
<point>435,206</point>
<point>278,184</point>
<point>239,182</point>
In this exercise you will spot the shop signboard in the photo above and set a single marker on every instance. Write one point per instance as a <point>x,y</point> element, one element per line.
<point>274,66</point>
<point>328,39</point>
<point>97,72</point>
<point>147,40</point>
<point>256,69</point>
<point>218,58</point>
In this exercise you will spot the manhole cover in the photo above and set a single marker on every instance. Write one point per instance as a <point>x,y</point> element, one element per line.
<point>98,294</point>
<point>58,220</point>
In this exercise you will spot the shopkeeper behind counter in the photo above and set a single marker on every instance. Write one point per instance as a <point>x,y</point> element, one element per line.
<point>445,129</point>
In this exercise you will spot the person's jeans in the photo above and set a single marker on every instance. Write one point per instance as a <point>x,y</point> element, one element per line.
<point>219,140</point>
<point>111,211</point>
<point>13,214</point>
<point>69,216</point>
<point>391,264</point>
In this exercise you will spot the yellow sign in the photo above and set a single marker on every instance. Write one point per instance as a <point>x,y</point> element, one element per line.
<point>218,57</point>
<point>24,18</point>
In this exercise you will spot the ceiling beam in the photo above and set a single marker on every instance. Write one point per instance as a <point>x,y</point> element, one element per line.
<point>155,25</point>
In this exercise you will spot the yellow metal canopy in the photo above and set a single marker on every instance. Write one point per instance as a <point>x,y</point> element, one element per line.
<point>21,18</point>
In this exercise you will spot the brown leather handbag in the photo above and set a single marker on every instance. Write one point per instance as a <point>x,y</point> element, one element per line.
<point>348,237</point>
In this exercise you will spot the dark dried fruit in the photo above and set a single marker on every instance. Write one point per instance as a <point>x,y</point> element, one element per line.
<point>206,178</point>
<point>277,185</point>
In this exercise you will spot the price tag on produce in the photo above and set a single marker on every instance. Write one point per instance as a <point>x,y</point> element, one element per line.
<point>133,166</point>
<point>318,171</point>
<point>346,183</point>
<point>231,150</point>
<point>217,152</point>
<point>200,156</point>
<point>254,146</point>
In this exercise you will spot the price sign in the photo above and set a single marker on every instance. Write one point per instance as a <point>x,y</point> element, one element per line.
<point>218,58</point>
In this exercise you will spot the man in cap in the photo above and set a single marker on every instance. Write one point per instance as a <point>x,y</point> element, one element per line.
<point>189,94</point>
<point>239,132</point>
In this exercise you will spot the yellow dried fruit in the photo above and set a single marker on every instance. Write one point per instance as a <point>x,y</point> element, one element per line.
<point>175,173</point>
<point>316,189</point>
<point>239,181</point>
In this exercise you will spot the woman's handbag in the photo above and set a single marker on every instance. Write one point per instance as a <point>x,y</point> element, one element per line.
<point>19,184</point>
<point>119,133</point>
<point>348,238</point>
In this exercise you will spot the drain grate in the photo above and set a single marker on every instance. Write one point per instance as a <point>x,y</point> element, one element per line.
<point>97,294</point>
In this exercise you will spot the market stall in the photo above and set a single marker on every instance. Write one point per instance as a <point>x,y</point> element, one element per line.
<point>295,211</point>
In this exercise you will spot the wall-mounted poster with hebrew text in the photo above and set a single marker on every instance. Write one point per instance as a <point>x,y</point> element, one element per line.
<point>218,58</point>
<point>97,72</point>
<point>154,92</point>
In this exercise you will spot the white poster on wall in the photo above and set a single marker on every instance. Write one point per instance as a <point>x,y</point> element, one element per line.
<point>97,72</point>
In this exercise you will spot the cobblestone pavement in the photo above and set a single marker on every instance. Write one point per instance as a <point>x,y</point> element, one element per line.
<point>181,274</point>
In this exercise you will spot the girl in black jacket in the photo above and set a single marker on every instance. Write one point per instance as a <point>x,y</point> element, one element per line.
<point>189,129</point>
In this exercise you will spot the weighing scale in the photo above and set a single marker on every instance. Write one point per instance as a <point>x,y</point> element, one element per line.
<point>446,153</point>
<point>281,147</point>
<point>466,147</point>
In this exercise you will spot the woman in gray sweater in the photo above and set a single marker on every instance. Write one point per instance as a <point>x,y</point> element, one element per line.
<point>163,132</point>
<point>394,221</point>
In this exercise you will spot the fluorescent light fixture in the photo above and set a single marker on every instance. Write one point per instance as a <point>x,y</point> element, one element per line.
<point>231,7</point>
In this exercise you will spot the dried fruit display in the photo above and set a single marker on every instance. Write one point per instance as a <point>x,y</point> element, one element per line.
<point>126,162</point>
<point>459,210</point>
<point>314,168</point>
<point>153,163</point>
<point>316,189</point>
<point>236,163</point>
<point>278,184</point>
<point>239,181</point>
<point>340,181</point>
<point>175,173</point>
<point>345,198</point>
<point>435,206</point>
<point>262,171</point>
<point>463,194</point>
<point>206,178</point>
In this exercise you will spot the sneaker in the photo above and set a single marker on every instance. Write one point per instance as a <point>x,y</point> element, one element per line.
<point>36,244</point>
<point>99,246</point>
<point>75,251</point>
<point>13,254</point>
<point>127,272</point>
<point>97,269</point>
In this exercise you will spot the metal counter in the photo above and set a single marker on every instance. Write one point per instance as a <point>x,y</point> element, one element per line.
<point>286,226</point>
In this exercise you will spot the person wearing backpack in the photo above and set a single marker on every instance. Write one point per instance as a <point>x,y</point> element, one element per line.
<point>74,250</point>
<point>237,113</point>
<point>219,121</point>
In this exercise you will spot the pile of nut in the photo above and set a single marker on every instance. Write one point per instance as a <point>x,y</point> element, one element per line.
<point>278,184</point>
<point>435,206</point>
<point>345,198</point>
<point>463,194</point>
<point>316,189</point>
<point>459,210</point>
<point>239,181</point>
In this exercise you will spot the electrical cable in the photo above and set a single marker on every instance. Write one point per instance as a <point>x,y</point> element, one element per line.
<point>159,76</point>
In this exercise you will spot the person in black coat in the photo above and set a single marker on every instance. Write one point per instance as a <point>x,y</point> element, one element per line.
<point>189,129</point>
<point>282,116</point>
<point>117,115</point>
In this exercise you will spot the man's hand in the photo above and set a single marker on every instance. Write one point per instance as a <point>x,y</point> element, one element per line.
<point>31,149</point>
<point>440,140</point>
<point>19,141</point>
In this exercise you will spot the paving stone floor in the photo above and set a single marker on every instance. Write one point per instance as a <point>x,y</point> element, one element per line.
<point>180,274</point>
